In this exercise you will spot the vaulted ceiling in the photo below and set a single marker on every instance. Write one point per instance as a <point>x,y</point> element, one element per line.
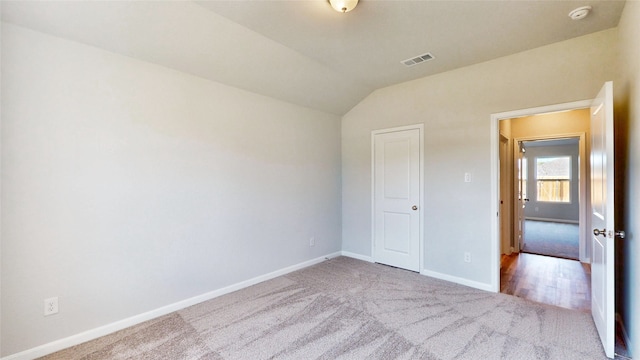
<point>303,51</point>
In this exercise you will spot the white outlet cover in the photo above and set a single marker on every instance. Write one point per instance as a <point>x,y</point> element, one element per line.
<point>50,306</point>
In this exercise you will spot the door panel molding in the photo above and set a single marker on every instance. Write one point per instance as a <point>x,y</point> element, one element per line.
<point>603,217</point>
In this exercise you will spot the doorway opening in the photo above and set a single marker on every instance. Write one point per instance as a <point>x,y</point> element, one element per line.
<point>600,217</point>
<point>544,255</point>
<point>550,185</point>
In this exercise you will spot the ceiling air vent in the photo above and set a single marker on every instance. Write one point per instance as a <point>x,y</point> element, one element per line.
<point>417,60</point>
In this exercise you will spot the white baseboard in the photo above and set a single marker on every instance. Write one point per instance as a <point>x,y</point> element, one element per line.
<point>458,280</point>
<point>563,221</point>
<point>437,275</point>
<point>92,334</point>
<point>625,335</point>
<point>357,256</point>
<point>586,260</point>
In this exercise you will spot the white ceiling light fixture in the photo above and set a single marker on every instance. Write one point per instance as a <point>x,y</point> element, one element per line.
<point>580,13</point>
<point>343,6</point>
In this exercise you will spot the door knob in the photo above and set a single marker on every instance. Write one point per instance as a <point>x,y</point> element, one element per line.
<point>602,232</point>
<point>414,207</point>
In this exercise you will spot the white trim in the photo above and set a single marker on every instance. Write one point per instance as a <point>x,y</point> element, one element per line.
<point>1,167</point>
<point>582,104</point>
<point>95,333</point>
<point>357,256</point>
<point>563,221</point>
<point>420,127</point>
<point>495,184</point>
<point>494,151</point>
<point>458,280</point>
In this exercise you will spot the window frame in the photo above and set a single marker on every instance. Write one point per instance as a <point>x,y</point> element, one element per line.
<point>569,180</point>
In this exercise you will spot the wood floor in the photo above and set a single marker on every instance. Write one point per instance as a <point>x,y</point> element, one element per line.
<point>545,279</point>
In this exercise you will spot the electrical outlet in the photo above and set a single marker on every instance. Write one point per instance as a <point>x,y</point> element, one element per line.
<point>467,177</point>
<point>312,241</point>
<point>50,306</point>
<point>467,257</point>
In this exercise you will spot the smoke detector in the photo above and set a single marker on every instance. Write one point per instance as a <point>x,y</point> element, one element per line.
<point>580,13</point>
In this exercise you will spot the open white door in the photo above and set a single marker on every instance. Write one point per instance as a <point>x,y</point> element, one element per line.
<point>396,197</point>
<point>602,218</point>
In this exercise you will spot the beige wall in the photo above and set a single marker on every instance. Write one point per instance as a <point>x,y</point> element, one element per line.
<point>455,108</point>
<point>627,112</point>
<point>573,123</point>
<point>554,124</point>
<point>542,126</point>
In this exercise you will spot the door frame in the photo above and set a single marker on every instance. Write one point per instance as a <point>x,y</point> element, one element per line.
<point>495,183</point>
<point>584,255</point>
<point>505,191</point>
<point>517,221</point>
<point>420,128</point>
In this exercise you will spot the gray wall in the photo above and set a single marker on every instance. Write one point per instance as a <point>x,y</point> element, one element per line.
<point>627,98</point>
<point>127,186</point>
<point>455,108</point>
<point>71,173</point>
<point>569,212</point>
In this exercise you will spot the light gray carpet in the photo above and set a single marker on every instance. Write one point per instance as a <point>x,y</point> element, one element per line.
<point>349,309</point>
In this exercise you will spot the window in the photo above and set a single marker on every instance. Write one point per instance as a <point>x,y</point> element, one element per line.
<point>553,178</point>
